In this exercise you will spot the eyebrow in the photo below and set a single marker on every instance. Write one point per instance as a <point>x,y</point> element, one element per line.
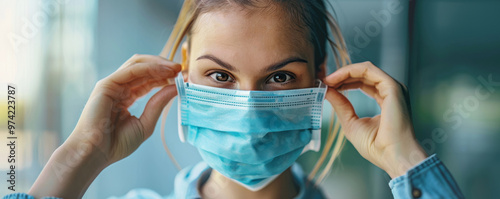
<point>272,67</point>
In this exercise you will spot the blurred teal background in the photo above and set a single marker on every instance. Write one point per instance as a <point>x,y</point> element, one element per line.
<point>447,52</point>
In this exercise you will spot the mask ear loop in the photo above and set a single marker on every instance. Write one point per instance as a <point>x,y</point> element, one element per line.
<point>163,120</point>
<point>327,147</point>
<point>333,133</point>
<point>340,142</point>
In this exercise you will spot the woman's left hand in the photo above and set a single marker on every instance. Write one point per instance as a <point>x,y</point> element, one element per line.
<point>386,140</point>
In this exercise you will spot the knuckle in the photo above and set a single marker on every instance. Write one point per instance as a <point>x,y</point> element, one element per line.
<point>368,63</point>
<point>106,87</point>
<point>393,86</point>
<point>398,88</point>
<point>135,58</point>
<point>99,83</point>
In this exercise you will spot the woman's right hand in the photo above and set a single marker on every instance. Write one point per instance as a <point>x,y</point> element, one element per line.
<point>106,132</point>
<point>106,124</point>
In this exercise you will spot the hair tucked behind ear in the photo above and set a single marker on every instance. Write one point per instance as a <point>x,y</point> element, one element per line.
<point>311,16</point>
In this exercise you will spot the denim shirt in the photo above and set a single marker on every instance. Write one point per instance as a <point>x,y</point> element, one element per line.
<point>427,180</point>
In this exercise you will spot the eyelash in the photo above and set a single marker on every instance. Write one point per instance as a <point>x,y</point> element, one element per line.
<point>290,76</point>
<point>220,72</point>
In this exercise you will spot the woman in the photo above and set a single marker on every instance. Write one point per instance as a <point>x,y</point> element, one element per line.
<point>258,48</point>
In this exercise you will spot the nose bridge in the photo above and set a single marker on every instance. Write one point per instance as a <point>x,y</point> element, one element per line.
<point>249,85</point>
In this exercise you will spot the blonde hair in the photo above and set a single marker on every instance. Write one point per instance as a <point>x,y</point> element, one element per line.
<point>314,17</point>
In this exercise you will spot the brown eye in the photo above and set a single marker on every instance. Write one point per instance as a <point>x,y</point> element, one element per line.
<point>280,78</point>
<point>221,77</point>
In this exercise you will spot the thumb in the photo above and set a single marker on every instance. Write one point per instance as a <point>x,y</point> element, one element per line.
<point>342,106</point>
<point>154,108</point>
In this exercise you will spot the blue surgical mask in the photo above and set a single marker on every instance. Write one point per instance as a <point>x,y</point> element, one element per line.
<point>250,136</point>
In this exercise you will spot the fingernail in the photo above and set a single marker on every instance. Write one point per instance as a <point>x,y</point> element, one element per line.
<point>170,81</point>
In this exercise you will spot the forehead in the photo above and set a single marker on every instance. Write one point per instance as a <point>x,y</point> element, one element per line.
<point>250,31</point>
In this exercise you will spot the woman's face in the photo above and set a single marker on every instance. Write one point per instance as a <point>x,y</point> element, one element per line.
<point>249,50</point>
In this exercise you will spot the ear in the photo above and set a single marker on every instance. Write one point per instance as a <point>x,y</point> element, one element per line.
<point>185,59</point>
<point>321,73</point>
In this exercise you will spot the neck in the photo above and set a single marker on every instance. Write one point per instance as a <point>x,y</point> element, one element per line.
<point>219,186</point>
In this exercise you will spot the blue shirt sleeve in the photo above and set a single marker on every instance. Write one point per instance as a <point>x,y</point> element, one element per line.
<point>138,193</point>
<point>429,179</point>
<point>24,196</point>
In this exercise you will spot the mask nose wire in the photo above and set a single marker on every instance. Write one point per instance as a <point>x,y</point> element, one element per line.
<point>163,121</point>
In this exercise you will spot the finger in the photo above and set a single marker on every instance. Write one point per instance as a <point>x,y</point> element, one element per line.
<point>138,58</point>
<point>145,80</point>
<point>146,57</point>
<point>154,108</point>
<point>384,83</point>
<point>342,107</point>
<point>147,84</point>
<point>367,89</point>
<point>352,80</point>
<point>365,70</point>
<point>131,95</point>
<point>142,90</point>
<point>145,69</point>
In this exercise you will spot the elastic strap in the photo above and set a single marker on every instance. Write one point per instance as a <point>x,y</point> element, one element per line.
<point>163,120</point>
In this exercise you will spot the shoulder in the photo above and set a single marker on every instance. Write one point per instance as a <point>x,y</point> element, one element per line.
<point>191,173</point>
<point>184,186</point>
<point>307,189</point>
<point>186,181</point>
<point>139,193</point>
